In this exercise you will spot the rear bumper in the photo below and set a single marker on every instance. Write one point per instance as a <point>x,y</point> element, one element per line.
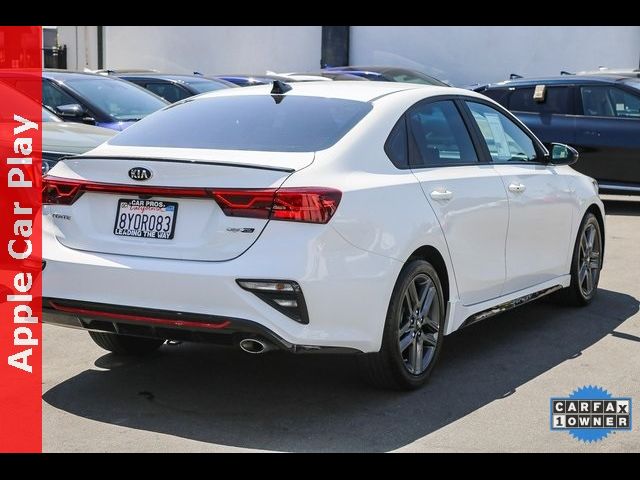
<point>346,289</point>
<point>166,325</point>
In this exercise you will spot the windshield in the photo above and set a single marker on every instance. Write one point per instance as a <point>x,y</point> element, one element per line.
<point>411,76</point>
<point>47,116</point>
<point>248,122</point>
<point>119,99</point>
<point>203,87</point>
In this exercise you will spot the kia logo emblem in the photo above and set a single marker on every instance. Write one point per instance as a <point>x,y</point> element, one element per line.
<point>140,174</point>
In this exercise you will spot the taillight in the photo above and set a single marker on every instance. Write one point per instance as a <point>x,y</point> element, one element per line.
<point>63,191</point>
<point>245,203</point>
<point>310,205</point>
<point>60,192</point>
<point>306,204</point>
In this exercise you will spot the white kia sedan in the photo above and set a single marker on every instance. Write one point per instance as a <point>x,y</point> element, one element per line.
<point>365,217</point>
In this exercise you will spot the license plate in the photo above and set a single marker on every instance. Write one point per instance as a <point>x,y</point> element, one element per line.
<point>146,219</point>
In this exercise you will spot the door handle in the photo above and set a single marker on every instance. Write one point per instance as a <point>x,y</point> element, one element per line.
<point>441,194</point>
<point>517,188</point>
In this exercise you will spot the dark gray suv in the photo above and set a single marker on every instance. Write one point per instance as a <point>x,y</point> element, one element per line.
<point>597,115</point>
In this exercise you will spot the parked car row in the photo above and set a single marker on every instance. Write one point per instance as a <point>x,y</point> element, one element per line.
<point>597,112</point>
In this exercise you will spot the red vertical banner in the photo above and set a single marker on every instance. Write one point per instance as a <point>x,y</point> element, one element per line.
<point>20,239</point>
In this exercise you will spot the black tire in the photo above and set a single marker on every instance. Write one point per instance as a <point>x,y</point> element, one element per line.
<point>574,294</point>
<point>125,344</point>
<point>387,368</point>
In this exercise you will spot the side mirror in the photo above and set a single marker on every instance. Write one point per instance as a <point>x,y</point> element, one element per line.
<point>72,110</point>
<point>562,154</point>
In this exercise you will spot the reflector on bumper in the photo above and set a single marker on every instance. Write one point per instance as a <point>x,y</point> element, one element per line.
<point>283,295</point>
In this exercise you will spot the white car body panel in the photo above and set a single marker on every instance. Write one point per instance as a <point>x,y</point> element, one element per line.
<point>478,199</point>
<point>331,272</point>
<point>496,247</point>
<point>540,220</point>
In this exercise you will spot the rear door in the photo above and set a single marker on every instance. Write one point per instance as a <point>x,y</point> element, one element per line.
<point>608,134</point>
<point>540,201</point>
<point>467,196</point>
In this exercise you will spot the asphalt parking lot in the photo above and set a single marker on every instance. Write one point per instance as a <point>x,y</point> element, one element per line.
<point>490,391</point>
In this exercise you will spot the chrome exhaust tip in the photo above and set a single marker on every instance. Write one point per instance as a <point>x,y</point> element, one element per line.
<point>254,346</point>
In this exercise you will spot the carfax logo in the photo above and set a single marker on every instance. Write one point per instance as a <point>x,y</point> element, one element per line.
<point>590,414</point>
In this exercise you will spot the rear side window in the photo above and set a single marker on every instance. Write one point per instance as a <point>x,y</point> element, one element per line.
<point>557,100</point>
<point>248,122</point>
<point>440,136</point>
<point>396,145</point>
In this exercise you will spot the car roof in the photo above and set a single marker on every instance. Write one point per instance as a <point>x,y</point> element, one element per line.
<point>63,75</point>
<point>611,71</point>
<point>261,76</point>
<point>111,71</point>
<point>368,68</point>
<point>343,89</point>
<point>179,77</point>
<point>560,80</point>
<point>335,75</point>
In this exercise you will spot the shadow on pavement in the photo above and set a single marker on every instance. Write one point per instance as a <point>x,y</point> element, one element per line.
<point>284,402</point>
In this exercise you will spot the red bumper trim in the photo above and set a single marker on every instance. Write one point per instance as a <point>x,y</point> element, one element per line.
<point>141,319</point>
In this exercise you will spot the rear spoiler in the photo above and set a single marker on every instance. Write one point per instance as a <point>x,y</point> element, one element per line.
<point>180,160</point>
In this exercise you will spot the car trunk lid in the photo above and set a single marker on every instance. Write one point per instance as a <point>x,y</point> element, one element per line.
<point>170,208</point>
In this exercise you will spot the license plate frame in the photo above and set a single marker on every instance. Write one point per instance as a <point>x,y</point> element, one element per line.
<point>147,207</point>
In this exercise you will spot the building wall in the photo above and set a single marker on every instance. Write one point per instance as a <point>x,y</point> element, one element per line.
<point>212,50</point>
<point>463,55</point>
<point>82,46</point>
<point>467,55</point>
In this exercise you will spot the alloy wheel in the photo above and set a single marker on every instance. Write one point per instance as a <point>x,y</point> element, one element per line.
<point>589,258</point>
<point>419,325</point>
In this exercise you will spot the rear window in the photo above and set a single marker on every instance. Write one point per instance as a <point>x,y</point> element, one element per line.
<point>207,86</point>
<point>556,100</point>
<point>251,122</point>
<point>401,75</point>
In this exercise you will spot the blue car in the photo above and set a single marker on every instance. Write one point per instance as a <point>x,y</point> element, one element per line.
<point>89,98</point>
